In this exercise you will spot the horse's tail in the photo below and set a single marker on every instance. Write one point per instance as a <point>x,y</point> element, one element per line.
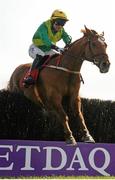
<point>14,82</point>
<point>11,86</point>
<point>8,86</point>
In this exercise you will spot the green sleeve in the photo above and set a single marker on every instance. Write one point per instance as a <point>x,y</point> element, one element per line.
<point>66,38</point>
<point>42,34</point>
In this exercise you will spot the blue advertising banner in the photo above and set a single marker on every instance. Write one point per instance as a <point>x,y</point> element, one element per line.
<point>43,158</point>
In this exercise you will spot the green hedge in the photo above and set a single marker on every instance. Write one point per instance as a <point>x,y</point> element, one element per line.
<point>22,119</point>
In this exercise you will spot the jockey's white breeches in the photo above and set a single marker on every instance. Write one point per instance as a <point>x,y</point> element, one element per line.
<point>33,51</point>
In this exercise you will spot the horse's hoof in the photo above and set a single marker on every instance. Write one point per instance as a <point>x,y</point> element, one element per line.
<point>71,141</point>
<point>88,139</point>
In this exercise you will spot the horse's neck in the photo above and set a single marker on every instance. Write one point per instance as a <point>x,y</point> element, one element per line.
<point>73,58</point>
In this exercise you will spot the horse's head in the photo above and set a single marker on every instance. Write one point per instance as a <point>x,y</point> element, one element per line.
<point>95,50</point>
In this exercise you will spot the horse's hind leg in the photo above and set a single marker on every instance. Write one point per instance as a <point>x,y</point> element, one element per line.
<point>63,119</point>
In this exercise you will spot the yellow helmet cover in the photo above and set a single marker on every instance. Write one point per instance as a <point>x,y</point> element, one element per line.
<point>58,14</point>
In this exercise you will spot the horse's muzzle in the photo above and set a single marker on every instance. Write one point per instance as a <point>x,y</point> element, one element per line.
<point>104,66</point>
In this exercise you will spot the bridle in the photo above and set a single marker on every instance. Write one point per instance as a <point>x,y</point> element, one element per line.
<point>92,59</point>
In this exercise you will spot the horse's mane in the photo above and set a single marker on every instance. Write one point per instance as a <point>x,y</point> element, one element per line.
<point>90,33</point>
<point>94,33</point>
<point>84,35</point>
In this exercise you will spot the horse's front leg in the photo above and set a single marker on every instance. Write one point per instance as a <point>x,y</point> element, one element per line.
<point>57,107</point>
<point>76,107</point>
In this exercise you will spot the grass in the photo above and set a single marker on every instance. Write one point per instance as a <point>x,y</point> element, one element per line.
<point>63,177</point>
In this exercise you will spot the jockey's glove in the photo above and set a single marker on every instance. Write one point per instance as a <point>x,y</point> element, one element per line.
<point>53,46</point>
<point>60,50</point>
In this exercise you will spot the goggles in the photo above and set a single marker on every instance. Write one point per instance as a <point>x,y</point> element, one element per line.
<point>60,22</point>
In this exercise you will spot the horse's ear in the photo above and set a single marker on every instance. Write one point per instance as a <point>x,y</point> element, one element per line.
<point>85,27</point>
<point>87,30</point>
<point>84,30</point>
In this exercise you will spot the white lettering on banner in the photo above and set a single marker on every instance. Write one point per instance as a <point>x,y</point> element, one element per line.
<point>77,157</point>
<point>49,158</point>
<point>79,160</point>
<point>28,156</point>
<point>106,161</point>
<point>6,156</point>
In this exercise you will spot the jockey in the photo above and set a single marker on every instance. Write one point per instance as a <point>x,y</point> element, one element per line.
<point>44,41</point>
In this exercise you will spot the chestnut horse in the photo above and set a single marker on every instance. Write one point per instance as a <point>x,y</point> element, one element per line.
<point>57,81</point>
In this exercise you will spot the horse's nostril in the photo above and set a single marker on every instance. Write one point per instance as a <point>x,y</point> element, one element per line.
<point>104,67</point>
<point>104,64</point>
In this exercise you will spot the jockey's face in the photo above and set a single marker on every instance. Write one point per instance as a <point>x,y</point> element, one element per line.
<point>58,24</point>
<point>57,27</point>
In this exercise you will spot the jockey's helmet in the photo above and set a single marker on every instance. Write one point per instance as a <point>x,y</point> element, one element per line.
<point>58,14</point>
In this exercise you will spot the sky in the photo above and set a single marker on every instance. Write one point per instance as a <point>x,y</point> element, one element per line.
<point>19,20</point>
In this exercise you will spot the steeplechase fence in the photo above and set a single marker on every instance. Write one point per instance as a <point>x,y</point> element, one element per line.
<point>32,142</point>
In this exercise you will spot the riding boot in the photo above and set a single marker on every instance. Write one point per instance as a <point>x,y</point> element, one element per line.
<point>31,78</point>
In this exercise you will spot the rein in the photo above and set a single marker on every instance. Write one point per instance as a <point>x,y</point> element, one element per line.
<point>72,56</point>
<point>65,69</point>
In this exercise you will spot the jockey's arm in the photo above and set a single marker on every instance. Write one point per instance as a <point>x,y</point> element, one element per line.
<point>66,38</point>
